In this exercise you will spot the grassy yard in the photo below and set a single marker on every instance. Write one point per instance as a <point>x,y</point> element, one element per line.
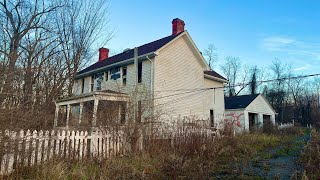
<point>246,156</point>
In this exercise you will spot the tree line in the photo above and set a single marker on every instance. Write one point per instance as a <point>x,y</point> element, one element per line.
<point>293,96</point>
<point>43,43</point>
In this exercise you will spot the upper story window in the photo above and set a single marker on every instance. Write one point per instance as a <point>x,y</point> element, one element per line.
<point>139,72</point>
<point>115,73</point>
<point>106,75</point>
<point>92,83</point>
<point>99,79</point>
<point>124,76</point>
<point>82,86</point>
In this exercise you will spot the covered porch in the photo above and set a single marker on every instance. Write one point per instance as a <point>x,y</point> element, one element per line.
<point>100,108</point>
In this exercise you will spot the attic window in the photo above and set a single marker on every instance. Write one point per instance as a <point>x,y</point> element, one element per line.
<point>139,72</point>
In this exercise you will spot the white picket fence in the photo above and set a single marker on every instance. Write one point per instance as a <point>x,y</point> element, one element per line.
<point>285,125</point>
<point>26,148</point>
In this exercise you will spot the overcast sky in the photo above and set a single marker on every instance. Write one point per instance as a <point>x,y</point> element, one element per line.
<point>256,31</point>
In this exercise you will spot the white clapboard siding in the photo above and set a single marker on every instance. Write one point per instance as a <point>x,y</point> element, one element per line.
<point>26,148</point>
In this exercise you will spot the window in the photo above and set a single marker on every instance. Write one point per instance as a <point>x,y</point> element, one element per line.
<point>211,118</point>
<point>139,72</point>
<point>122,114</point>
<point>106,75</point>
<point>92,83</point>
<point>99,78</point>
<point>115,73</point>
<point>82,86</point>
<point>124,76</point>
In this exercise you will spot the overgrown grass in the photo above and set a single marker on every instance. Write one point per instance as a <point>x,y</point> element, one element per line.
<point>194,156</point>
<point>311,156</point>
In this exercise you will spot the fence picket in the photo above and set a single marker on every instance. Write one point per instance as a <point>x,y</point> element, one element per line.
<point>76,148</point>
<point>33,147</point>
<point>85,144</point>
<point>30,148</point>
<point>46,146</point>
<point>27,147</point>
<point>81,145</point>
<point>72,144</point>
<point>52,144</point>
<point>39,157</point>
<point>67,144</point>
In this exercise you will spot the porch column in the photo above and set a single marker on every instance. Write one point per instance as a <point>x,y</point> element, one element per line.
<point>56,114</point>
<point>68,115</point>
<point>80,113</point>
<point>95,109</point>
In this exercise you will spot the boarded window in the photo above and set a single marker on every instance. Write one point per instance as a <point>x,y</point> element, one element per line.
<point>139,72</point>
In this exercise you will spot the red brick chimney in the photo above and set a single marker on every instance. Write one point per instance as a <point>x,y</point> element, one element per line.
<point>177,26</point>
<point>103,54</point>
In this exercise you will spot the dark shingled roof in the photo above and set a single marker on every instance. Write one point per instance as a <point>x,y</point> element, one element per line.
<point>144,49</point>
<point>239,102</point>
<point>215,74</point>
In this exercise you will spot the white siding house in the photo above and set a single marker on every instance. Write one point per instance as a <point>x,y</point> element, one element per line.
<point>171,71</point>
<point>249,111</point>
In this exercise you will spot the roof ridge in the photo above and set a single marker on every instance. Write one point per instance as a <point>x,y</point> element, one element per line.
<point>146,44</point>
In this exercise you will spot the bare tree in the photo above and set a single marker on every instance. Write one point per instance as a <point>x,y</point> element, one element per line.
<point>211,54</point>
<point>81,26</point>
<point>18,19</point>
<point>236,75</point>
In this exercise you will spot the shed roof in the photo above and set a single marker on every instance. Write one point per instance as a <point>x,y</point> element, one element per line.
<point>239,102</point>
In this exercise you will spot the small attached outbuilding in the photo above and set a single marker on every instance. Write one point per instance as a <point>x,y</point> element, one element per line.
<point>248,112</point>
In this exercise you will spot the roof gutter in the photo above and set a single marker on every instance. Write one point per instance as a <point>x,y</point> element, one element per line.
<point>128,61</point>
<point>215,78</point>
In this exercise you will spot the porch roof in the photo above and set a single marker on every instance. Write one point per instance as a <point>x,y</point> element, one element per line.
<point>108,95</point>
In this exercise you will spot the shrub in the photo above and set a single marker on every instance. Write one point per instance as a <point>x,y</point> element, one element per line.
<point>311,156</point>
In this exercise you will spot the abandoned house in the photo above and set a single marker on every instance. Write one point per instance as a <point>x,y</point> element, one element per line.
<point>249,111</point>
<point>169,76</point>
